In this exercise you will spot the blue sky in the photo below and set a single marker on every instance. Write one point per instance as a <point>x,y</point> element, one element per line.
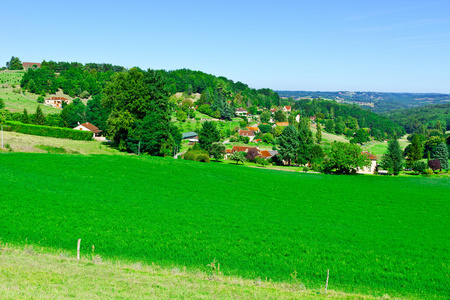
<point>384,46</point>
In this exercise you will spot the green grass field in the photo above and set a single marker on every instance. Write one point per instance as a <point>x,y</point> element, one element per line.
<point>377,235</point>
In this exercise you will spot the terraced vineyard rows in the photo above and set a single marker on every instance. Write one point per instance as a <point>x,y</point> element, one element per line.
<point>376,234</point>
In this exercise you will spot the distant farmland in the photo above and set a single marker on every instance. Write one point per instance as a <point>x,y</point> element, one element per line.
<point>376,234</point>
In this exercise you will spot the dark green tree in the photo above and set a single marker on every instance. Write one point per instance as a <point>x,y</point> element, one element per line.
<point>393,159</point>
<point>208,135</point>
<point>288,144</point>
<point>39,117</point>
<point>279,116</point>
<point>319,134</point>
<point>25,118</point>
<point>14,64</point>
<point>306,141</point>
<point>2,103</point>
<point>441,154</point>
<point>361,136</point>
<point>414,151</point>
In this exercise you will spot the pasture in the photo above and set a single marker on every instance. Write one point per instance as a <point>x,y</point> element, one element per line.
<point>377,235</point>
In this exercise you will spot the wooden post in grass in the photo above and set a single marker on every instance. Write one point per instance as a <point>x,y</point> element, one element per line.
<point>78,249</point>
<point>326,284</point>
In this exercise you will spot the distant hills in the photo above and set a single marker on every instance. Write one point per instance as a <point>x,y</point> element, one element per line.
<point>376,101</point>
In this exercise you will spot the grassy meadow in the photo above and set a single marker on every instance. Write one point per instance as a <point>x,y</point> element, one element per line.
<point>376,234</point>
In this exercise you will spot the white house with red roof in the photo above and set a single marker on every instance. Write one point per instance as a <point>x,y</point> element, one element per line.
<point>89,127</point>
<point>373,164</point>
<point>56,102</point>
<point>286,109</point>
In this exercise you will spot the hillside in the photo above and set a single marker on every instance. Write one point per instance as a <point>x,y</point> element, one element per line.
<point>412,118</point>
<point>255,223</point>
<point>14,100</point>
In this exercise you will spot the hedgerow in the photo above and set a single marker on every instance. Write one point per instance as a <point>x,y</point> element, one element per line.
<point>56,132</point>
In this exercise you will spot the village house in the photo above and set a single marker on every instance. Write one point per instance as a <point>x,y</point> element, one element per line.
<point>89,127</point>
<point>248,133</point>
<point>286,109</point>
<point>273,110</point>
<point>33,65</point>
<point>56,102</point>
<point>373,164</point>
<point>241,112</point>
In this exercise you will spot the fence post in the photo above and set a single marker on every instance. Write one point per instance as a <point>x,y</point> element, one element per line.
<point>78,249</point>
<point>326,284</point>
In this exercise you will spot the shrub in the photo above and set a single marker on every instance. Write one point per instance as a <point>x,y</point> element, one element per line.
<point>434,164</point>
<point>419,166</point>
<point>305,169</point>
<point>197,155</point>
<point>40,99</point>
<point>56,132</point>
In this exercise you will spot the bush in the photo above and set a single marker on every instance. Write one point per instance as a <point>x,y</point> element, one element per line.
<point>40,99</point>
<point>56,132</point>
<point>197,155</point>
<point>434,164</point>
<point>305,169</point>
<point>419,166</point>
<point>245,139</point>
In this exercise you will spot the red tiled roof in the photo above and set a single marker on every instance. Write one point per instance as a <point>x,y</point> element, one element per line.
<point>287,107</point>
<point>91,127</point>
<point>253,128</point>
<point>370,155</point>
<point>282,123</point>
<point>30,64</point>
<point>257,140</point>
<point>242,149</point>
<point>57,98</point>
<point>265,153</point>
<point>273,110</point>
<point>246,133</point>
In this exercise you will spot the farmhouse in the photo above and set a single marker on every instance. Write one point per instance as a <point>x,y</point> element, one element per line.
<point>89,127</point>
<point>373,164</point>
<point>33,65</point>
<point>249,133</point>
<point>241,112</point>
<point>56,102</point>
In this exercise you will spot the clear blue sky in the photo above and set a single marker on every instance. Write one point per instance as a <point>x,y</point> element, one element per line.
<point>385,46</point>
